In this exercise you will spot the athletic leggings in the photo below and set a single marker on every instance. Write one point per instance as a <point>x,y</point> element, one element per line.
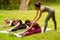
<point>21,26</point>
<point>51,14</point>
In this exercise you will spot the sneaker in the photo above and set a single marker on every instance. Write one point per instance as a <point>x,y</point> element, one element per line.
<point>17,35</point>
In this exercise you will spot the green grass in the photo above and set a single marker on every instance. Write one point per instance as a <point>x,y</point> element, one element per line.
<point>17,14</point>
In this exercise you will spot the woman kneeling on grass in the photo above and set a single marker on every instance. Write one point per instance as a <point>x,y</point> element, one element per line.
<point>31,30</point>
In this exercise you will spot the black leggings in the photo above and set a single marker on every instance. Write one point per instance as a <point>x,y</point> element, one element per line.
<point>50,15</point>
<point>22,26</point>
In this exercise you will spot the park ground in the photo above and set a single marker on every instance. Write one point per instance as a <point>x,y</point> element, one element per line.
<point>29,14</point>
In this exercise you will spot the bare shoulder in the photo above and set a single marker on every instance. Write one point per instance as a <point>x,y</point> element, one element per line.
<point>42,8</point>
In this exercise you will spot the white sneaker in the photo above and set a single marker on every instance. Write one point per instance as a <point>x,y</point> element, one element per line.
<point>17,35</point>
<point>47,29</point>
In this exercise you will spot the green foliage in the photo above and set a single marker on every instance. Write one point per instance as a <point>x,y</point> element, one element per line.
<point>14,4</point>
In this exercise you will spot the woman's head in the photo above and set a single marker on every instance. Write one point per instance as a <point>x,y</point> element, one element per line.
<point>7,20</point>
<point>37,5</point>
<point>15,21</point>
<point>28,22</point>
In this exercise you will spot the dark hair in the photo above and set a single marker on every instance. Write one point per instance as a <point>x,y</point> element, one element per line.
<point>27,21</point>
<point>38,4</point>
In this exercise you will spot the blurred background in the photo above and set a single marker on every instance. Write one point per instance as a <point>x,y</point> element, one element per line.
<point>24,4</point>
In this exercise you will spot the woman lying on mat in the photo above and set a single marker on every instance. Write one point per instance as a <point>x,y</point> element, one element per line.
<point>18,25</point>
<point>31,30</point>
<point>10,22</point>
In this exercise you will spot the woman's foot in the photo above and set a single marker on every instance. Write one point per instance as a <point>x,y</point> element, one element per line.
<point>17,35</point>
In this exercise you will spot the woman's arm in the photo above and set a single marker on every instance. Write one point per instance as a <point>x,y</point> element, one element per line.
<point>23,34</point>
<point>36,14</point>
<point>30,27</point>
<point>35,21</point>
<point>14,26</point>
<point>5,25</point>
<point>39,16</point>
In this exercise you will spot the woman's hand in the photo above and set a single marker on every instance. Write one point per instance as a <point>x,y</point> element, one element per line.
<point>9,30</point>
<point>33,21</point>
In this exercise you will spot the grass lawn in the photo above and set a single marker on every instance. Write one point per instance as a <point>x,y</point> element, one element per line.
<point>17,14</point>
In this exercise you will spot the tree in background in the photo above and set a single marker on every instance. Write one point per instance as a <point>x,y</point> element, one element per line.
<point>36,1</point>
<point>24,4</point>
<point>4,3</point>
<point>48,0</point>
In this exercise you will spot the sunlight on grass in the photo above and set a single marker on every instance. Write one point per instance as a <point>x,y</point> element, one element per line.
<point>17,14</point>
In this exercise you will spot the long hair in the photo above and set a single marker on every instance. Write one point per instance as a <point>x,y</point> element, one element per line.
<point>37,4</point>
